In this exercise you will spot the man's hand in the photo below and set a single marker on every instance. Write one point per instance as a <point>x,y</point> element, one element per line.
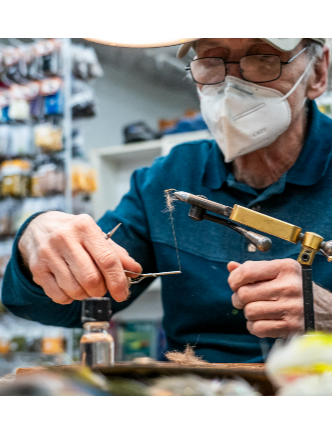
<point>70,259</point>
<point>270,292</point>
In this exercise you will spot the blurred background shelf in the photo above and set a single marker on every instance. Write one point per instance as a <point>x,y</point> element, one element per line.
<point>114,166</point>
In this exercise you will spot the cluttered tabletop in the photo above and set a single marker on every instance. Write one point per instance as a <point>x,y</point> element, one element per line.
<point>288,371</point>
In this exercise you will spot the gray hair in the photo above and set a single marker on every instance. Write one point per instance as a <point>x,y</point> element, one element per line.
<point>314,53</point>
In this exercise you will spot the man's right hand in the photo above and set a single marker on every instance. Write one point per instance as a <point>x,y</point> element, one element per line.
<point>70,259</point>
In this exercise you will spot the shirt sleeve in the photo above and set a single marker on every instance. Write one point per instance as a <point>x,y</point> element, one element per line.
<point>26,299</point>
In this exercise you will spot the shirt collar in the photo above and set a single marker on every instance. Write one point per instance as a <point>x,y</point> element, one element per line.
<point>215,170</point>
<point>314,157</point>
<point>316,154</point>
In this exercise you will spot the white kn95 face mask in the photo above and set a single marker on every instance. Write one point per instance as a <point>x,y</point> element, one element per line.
<point>244,116</point>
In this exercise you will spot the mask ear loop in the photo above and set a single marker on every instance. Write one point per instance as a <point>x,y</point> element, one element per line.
<point>297,83</point>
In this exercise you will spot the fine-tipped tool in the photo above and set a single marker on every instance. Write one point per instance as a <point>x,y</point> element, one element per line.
<point>109,234</point>
<point>144,276</point>
<point>140,276</point>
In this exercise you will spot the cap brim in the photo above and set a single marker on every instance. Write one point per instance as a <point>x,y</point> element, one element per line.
<point>281,44</point>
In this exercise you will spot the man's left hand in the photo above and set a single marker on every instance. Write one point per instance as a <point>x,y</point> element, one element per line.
<point>271,294</point>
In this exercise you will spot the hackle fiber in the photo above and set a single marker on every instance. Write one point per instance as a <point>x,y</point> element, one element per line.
<point>187,358</point>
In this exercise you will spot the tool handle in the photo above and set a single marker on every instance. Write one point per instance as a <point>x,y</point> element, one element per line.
<point>309,320</point>
<point>261,242</point>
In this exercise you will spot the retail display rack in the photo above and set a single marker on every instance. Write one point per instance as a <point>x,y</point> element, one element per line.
<point>45,85</point>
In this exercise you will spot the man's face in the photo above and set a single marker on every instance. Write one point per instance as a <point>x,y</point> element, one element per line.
<point>232,49</point>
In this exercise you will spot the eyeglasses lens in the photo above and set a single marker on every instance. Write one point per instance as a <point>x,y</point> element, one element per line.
<point>260,68</point>
<point>210,70</point>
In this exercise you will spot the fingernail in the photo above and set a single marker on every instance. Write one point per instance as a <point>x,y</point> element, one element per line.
<point>125,296</point>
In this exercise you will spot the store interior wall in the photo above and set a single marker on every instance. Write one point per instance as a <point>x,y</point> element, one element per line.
<point>126,95</point>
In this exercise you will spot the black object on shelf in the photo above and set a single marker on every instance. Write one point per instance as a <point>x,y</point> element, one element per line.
<point>139,132</point>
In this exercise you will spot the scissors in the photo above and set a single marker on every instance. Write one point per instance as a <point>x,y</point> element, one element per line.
<point>140,276</point>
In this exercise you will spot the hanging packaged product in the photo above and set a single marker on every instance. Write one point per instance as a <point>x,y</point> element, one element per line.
<point>33,205</point>
<point>23,67</point>
<point>48,137</point>
<point>32,93</point>
<point>11,70</point>
<point>34,61</point>
<point>15,178</point>
<point>6,247</point>
<point>27,208</point>
<point>21,141</point>
<point>51,57</point>
<point>19,108</point>
<point>83,177</point>
<point>82,100</point>
<point>47,179</point>
<point>4,104</point>
<point>4,139</point>
<point>51,89</point>
<point>1,62</point>
<point>7,208</point>
<point>85,64</point>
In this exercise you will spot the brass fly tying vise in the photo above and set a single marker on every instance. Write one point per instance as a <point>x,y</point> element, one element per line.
<point>312,243</point>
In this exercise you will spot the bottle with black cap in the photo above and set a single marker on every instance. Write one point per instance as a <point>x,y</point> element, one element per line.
<point>96,345</point>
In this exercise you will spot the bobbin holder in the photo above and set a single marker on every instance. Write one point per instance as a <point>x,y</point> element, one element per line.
<point>311,243</point>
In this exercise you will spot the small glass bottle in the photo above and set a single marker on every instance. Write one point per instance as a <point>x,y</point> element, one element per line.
<point>96,344</point>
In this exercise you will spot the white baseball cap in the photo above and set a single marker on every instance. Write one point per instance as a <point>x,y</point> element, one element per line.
<point>282,44</point>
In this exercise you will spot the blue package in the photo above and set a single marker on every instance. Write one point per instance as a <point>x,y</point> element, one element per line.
<point>54,104</point>
<point>185,125</point>
<point>5,114</point>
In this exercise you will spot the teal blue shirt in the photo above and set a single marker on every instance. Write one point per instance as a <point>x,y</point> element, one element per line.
<point>197,304</point>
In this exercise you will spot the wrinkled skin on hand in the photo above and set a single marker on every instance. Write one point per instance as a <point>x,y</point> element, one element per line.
<point>271,295</point>
<point>70,259</point>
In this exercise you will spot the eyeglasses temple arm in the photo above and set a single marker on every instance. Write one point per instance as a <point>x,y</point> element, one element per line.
<point>296,55</point>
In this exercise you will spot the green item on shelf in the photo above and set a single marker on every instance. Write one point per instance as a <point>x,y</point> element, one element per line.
<point>137,339</point>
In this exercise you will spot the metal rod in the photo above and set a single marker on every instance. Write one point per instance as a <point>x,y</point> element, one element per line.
<point>260,241</point>
<point>165,273</point>
<point>67,123</point>
<point>209,205</point>
<point>309,320</point>
<point>221,221</point>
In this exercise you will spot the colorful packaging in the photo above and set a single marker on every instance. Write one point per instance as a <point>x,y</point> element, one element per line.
<point>48,137</point>
<point>137,339</point>
<point>15,177</point>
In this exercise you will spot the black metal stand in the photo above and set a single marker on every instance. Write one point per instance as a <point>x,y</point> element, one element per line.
<point>309,321</point>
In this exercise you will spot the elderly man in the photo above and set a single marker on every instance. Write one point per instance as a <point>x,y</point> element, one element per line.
<point>271,153</point>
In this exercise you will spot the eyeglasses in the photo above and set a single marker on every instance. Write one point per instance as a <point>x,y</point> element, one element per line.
<point>256,68</point>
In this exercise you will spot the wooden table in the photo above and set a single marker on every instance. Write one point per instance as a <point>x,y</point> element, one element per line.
<point>253,373</point>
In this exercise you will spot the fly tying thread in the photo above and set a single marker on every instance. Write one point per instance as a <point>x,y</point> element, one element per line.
<point>169,199</point>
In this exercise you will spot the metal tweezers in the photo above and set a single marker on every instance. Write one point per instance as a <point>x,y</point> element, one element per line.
<point>140,276</point>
